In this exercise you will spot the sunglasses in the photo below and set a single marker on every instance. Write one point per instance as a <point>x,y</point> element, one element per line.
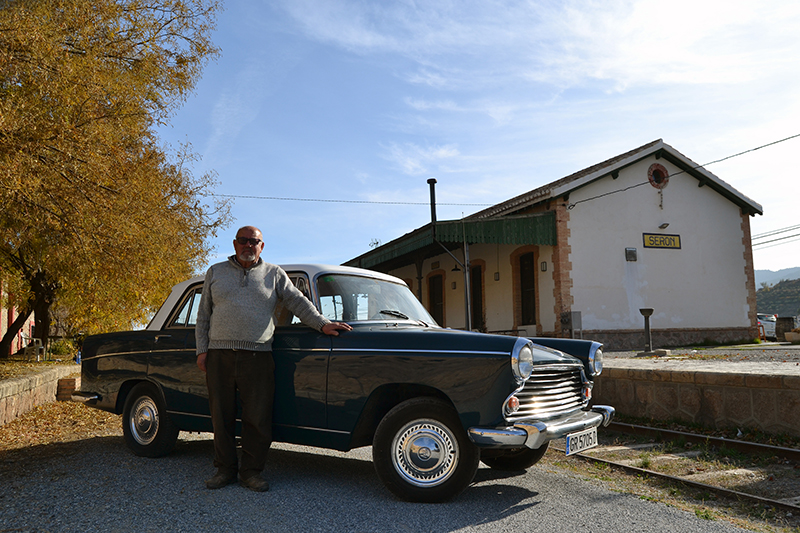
<point>248,240</point>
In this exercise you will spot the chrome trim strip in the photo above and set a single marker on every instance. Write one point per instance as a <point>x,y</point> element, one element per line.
<point>336,431</point>
<point>188,414</point>
<point>113,354</point>
<point>373,350</point>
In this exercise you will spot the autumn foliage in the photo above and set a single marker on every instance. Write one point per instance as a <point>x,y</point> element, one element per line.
<point>97,219</point>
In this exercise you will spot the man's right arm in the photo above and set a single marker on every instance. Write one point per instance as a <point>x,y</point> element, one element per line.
<point>203,321</point>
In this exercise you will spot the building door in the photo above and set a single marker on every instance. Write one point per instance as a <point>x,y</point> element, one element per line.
<point>436,298</point>
<point>527,287</point>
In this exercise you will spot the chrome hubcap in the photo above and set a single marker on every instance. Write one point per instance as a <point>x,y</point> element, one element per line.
<point>425,453</point>
<point>144,421</point>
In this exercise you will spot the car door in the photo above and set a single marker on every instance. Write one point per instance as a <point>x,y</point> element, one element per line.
<point>301,363</point>
<point>173,364</point>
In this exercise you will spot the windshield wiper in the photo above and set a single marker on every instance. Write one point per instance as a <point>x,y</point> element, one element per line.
<point>392,312</point>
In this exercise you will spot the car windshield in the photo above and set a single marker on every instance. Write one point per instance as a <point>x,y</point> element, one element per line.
<point>355,298</point>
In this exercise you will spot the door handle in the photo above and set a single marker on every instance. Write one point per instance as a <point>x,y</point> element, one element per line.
<point>162,337</point>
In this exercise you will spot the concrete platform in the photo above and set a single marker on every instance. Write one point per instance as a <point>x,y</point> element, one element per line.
<point>717,393</point>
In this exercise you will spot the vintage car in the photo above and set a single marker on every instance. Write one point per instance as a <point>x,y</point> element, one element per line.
<point>432,402</point>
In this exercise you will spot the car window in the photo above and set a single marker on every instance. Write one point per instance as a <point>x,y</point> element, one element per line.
<point>355,298</point>
<point>284,317</point>
<point>186,316</point>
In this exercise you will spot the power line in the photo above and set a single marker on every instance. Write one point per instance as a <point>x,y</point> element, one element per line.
<point>773,245</point>
<point>774,232</point>
<point>339,201</point>
<point>776,240</point>
<point>570,206</point>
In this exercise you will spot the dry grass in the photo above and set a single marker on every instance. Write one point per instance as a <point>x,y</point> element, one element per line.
<point>58,422</point>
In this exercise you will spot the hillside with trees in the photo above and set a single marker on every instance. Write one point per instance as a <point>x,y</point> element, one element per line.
<point>782,299</point>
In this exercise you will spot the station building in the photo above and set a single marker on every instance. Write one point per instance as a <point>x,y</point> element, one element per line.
<point>582,256</point>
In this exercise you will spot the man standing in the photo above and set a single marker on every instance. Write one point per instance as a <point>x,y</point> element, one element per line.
<point>235,324</point>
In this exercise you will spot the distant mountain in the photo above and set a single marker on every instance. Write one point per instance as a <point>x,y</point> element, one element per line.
<point>771,277</point>
<point>782,299</point>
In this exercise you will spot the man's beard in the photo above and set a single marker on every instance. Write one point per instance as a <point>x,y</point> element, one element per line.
<point>247,256</point>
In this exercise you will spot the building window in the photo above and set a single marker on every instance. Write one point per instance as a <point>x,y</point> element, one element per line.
<point>436,298</point>
<point>658,176</point>
<point>476,294</point>
<point>527,288</point>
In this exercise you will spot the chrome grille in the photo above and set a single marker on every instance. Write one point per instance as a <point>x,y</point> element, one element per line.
<point>550,391</point>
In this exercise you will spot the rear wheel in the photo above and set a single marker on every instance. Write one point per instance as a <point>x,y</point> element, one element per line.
<point>422,453</point>
<point>513,459</point>
<point>148,429</point>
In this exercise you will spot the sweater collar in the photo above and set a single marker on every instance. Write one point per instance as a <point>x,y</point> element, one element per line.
<point>235,262</point>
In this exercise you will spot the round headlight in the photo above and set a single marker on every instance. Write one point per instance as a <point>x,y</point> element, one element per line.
<point>522,360</point>
<point>596,361</point>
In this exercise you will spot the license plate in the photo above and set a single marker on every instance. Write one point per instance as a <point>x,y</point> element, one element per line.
<point>583,440</point>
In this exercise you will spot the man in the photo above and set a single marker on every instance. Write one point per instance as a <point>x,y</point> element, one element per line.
<point>234,331</point>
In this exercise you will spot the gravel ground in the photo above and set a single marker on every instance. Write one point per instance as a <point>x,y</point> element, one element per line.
<point>98,485</point>
<point>64,467</point>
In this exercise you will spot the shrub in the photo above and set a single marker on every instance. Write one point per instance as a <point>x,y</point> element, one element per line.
<point>61,347</point>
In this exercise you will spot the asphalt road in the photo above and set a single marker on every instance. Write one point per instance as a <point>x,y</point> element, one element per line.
<point>98,485</point>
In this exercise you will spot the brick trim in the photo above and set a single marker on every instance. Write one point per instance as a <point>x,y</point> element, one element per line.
<point>562,269</point>
<point>750,275</point>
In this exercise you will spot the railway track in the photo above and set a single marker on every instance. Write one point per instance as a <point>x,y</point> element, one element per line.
<point>740,470</point>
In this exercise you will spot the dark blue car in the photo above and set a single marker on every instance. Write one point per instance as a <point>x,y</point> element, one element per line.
<point>431,402</point>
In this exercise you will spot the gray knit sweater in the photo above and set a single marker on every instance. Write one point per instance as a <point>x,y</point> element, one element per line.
<point>237,310</point>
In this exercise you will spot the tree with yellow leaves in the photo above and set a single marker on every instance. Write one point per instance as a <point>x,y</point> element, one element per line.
<point>95,216</point>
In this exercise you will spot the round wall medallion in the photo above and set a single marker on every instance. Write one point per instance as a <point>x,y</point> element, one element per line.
<point>658,176</point>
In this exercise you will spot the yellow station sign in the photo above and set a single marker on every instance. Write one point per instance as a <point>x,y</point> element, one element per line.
<point>661,241</point>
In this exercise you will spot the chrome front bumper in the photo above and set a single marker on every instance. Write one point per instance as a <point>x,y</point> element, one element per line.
<point>533,433</point>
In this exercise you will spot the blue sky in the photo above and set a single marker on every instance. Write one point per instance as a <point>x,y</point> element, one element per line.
<point>364,101</point>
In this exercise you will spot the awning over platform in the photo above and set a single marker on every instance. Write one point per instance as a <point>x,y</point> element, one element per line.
<point>419,244</point>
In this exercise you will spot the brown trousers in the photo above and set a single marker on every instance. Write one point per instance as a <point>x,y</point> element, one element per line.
<point>253,375</point>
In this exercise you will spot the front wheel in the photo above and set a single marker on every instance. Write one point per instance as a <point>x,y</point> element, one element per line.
<point>148,429</point>
<point>514,459</point>
<point>422,453</point>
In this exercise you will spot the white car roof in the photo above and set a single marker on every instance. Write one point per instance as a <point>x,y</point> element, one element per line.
<point>313,270</point>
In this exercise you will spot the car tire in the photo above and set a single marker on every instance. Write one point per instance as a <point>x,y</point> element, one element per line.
<point>422,453</point>
<point>148,429</point>
<point>513,460</point>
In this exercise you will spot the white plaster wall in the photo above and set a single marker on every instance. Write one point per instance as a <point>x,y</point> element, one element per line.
<point>701,285</point>
<point>499,305</point>
<point>546,286</point>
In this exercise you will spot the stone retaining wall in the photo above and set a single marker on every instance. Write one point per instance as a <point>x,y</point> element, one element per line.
<point>769,401</point>
<point>20,395</point>
<point>633,339</point>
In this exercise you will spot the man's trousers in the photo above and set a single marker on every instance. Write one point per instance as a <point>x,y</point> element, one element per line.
<point>253,375</point>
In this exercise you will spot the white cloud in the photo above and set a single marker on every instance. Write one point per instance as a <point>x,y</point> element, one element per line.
<point>415,160</point>
<point>632,43</point>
